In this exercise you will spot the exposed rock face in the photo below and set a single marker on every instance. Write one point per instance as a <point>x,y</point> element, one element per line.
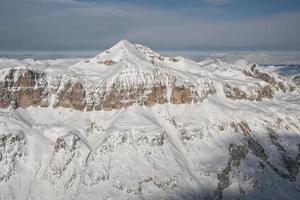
<point>296,80</point>
<point>257,93</point>
<point>189,93</point>
<point>237,153</point>
<point>234,93</point>
<point>181,95</point>
<point>260,75</point>
<point>72,96</point>
<point>156,95</point>
<point>109,62</point>
<point>126,82</point>
<point>5,98</point>
<point>128,74</point>
<point>257,149</point>
<point>22,87</point>
<point>117,97</point>
<point>290,164</point>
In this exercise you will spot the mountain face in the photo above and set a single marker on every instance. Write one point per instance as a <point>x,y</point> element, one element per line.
<point>132,124</point>
<point>130,74</point>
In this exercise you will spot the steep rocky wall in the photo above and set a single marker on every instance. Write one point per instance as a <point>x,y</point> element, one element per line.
<point>265,87</point>
<point>24,87</point>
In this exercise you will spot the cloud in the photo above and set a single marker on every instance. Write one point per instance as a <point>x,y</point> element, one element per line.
<point>80,26</point>
<point>57,1</point>
<point>218,2</point>
<point>276,32</point>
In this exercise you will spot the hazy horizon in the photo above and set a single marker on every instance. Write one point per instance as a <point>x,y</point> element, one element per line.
<point>259,57</point>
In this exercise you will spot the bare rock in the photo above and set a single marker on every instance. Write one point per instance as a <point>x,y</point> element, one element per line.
<point>108,62</point>
<point>265,92</point>
<point>181,95</point>
<point>22,87</point>
<point>28,97</point>
<point>73,96</point>
<point>157,95</point>
<point>234,92</point>
<point>244,127</point>
<point>257,149</point>
<point>255,73</point>
<point>296,80</point>
<point>257,93</point>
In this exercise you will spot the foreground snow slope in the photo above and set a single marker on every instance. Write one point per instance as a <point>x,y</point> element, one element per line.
<point>173,129</point>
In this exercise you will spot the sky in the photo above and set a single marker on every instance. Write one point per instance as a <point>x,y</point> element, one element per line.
<point>58,25</point>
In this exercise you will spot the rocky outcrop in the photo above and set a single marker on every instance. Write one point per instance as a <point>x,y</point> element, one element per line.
<point>258,90</point>
<point>181,95</point>
<point>290,164</point>
<point>255,73</point>
<point>256,93</point>
<point>188,93</point>
<point>24,87</point>
<point>117,97</point>
<point>237,153</point>
<point>72,96</point>
<point>108,62</point>
<point>257,149</point>
<point>296,80</point>
<point>273,82</point>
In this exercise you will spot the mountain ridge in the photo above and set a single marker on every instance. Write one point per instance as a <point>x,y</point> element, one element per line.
<point>148,127</point>
<point>117,78</point>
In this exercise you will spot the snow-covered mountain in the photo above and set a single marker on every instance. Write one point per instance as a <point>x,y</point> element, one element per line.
<point>132,124</point>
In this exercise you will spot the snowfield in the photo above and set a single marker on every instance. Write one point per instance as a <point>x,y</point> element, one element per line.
<point>238,141</point>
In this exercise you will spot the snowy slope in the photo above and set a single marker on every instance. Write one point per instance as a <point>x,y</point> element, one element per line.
<point>222,130</point>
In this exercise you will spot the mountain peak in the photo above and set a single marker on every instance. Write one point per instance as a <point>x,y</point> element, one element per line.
<point>121,50</point>
<point>123,45</point>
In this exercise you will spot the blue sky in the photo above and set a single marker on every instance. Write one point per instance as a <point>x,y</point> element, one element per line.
<point>160,24</point>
